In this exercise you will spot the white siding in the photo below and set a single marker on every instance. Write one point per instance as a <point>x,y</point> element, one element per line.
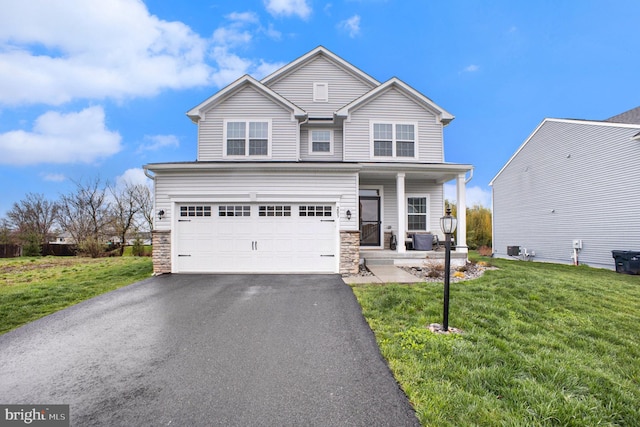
<point>256,186</point>
<point>570,181</point>
<point>297,87</point>
<point>393,106</point>
<point>248,103</point>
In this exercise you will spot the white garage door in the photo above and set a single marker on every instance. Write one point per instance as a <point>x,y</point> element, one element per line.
<point>256,238</point>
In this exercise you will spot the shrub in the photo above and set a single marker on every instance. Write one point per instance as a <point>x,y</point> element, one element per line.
<point>91,247</point>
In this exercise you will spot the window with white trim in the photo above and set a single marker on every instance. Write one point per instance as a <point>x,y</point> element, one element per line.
<point>394,140</point>
<point>417,213</point>
<point>247,138</point>
<point>320,92</point>
<point>320,141</point>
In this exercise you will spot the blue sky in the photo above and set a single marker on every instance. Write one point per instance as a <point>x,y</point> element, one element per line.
<point>98,89</point>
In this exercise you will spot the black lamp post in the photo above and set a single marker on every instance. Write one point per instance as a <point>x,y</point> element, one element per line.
<point>448,225</point>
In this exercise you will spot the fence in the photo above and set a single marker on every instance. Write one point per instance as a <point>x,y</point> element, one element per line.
<point>14,251</point>
<point>10,251</point>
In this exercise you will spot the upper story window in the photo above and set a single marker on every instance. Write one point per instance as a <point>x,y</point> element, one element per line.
<point>247,138</point>
<point>394,140</point>
<point>320,141</point>
<point>320,92</point>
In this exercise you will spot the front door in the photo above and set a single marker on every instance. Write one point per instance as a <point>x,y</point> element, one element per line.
<point>370,221</point>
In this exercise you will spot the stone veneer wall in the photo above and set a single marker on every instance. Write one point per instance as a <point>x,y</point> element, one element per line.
<point>161,241</point>
<point>349,252</point>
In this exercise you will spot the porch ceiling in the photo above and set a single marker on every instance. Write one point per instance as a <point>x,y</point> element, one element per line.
<point>438,172</point>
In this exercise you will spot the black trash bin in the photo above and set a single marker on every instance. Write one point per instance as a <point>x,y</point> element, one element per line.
<point>627,262</point>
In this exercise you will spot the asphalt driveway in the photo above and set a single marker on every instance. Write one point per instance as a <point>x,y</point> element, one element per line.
<point>205,350</point>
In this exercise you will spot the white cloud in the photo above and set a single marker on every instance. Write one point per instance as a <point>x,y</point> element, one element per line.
<point>53,52</point>
<point>157,142</point>
<point>474,195</point>
<point>471,68</point>
<point>53,177</point>
<point>80,137</point>
<point>133,176</point>
<point>351,25</point>
<point>288,8</point>
<point>237,33</point>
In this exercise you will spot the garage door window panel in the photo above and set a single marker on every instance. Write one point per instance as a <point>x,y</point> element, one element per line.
<point>324,211</point>
<point>274,210</point>
<point>192,211</point>
<point>235,210</point>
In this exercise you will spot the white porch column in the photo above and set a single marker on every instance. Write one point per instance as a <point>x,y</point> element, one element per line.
<point>461,196</point>
<point>402,215</point>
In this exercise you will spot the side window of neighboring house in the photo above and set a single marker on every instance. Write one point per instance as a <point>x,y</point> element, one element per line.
<point>417,208</point>
<point>247,138</point>
<point>320,141</point>
<point>394,140</point>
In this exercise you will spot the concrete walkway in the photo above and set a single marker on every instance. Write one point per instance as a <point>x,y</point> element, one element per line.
<point>384,274</point>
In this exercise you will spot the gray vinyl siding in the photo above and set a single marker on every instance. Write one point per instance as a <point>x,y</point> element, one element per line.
<point>412,186</point>
<point>248,103</point>
<point>570,181</point>
<point>297,87</point>
<point>337,147</point>
<point>393,106</point>
<point>246,185</point>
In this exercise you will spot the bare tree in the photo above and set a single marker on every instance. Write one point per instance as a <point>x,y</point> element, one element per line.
<point>124,209</point>
<point>84,213</point>
<point>33,218</point>
<point>145,202</point>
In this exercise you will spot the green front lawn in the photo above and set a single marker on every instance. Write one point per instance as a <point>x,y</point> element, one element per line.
<point>31,288</point>
<point>543,345</point>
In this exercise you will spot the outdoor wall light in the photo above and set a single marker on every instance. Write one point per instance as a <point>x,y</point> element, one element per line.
<point>160,214</point>
<point>448,226</point>
<point>348,215</point>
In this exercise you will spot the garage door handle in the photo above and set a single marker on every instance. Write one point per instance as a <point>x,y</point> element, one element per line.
<point>183,255</point>
<point>327,220</point>
<point>332,256</point>
<point>184,220</point>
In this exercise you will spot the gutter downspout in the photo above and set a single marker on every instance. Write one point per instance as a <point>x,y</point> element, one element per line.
<point>305,121</point>
<point>466,181</point>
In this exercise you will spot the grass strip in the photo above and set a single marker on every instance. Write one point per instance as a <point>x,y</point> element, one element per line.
<point>543,345</point>
<point>31,288</point>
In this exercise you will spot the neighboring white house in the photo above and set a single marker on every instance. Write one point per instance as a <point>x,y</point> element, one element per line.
<point>571,189</point>
<point>300,170</point>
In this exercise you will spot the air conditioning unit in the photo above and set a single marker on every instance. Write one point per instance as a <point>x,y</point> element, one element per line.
<point>513,250</point>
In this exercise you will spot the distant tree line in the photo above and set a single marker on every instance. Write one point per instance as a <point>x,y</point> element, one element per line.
<point>93,214</point>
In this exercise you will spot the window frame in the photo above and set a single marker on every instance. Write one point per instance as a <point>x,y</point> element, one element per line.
<point>320,153</point>
<point>425,214</point>
<point>394,139</point>
<point>247,138</point>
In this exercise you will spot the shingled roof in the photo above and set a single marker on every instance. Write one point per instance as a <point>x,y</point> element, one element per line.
<point>632,117</point>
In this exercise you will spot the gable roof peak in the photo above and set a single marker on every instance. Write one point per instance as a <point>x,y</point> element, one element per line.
<point>195,114</point>
<point>319,51</point>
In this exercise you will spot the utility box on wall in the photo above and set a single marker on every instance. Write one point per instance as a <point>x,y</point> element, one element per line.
<point>577,244</point>
<point>513,250</point>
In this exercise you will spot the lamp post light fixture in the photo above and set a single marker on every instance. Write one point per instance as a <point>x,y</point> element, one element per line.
<point>448,225</point>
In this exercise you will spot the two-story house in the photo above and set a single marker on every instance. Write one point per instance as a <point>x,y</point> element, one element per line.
<point>303,170</point>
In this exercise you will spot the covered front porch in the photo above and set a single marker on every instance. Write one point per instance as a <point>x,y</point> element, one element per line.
<point>397,202</point>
